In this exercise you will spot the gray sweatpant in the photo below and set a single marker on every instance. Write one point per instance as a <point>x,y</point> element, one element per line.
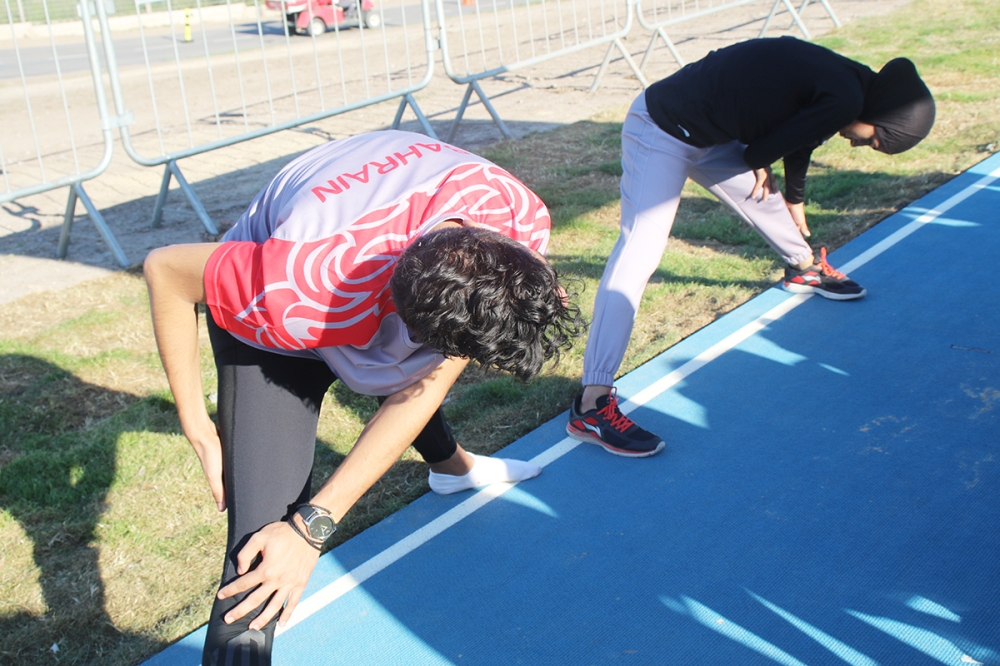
<point>655,166</point>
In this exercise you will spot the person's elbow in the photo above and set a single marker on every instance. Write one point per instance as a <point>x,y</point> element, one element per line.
<point>155,265</point>
<point>178,268</point>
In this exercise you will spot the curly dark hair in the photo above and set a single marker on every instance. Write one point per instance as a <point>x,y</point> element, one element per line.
<point>471,292</point>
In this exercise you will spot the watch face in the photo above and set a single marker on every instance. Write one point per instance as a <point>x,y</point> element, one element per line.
<point>321,527</point>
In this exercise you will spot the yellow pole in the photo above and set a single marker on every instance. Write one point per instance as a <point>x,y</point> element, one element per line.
<point>187,25</point>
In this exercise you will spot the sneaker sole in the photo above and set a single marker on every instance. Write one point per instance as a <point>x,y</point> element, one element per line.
<point>588,438</point>
<point>806,289</point>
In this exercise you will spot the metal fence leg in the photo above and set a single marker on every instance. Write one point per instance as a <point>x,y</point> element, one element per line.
<point>652,44</point>
<point>617,44</point>
<point>829,10</point>
<point>77,191</point>
<point>795,18</point>
<point>497,120</point>
<point>458,116</point>
<point>408,99</point>
<point>826,6</point>
<point>199,210</point>
<point>604,66</point>
<point>802,8</point>
<point>493,112</point>
<point>767,21</point>
<point>161,198</point>
<point>67,224</point>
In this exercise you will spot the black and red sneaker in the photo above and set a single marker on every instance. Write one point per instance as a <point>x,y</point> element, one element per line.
<point>822,279</point>
<point>606,426</point>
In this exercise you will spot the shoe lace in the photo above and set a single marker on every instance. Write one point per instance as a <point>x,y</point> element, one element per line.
<point>615,418</point>
<point>826,268</point>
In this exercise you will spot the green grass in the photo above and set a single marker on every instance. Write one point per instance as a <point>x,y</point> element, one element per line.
<point>111,544</point>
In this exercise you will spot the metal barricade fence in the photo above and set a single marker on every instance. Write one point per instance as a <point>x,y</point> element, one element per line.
<point>44,148</point>
<point>656,15</point>
<point>210,77</point>
<point>489,37</point>
<point>797,15</point>
<point>200,78</point>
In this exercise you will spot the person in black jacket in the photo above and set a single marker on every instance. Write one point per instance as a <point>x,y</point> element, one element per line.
<point>722,121</point>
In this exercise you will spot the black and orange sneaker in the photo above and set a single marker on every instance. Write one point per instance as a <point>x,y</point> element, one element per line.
<point>823,279</point>
<point>606,426</point>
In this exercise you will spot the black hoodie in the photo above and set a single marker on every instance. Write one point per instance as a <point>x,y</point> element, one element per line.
<point>780,97</point>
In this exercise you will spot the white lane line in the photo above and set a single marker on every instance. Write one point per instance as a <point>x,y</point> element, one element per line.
<point>924,219</point>
<point>393,553</point>
<point>347,582</point>
<point>713,352</point>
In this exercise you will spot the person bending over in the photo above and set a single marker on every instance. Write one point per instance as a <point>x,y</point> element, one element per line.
<point>722,121</point>
<point>387,261</point>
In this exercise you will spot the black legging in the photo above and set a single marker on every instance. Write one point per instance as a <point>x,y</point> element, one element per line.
<point>268,413</point>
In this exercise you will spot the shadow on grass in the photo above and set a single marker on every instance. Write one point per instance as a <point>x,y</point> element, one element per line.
<point>57,463</point>
<point>840,205</point>
<point>491,410</point>
<point>573,267</point>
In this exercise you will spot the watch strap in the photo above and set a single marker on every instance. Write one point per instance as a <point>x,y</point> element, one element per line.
<point>318,545</point>
<point>310,513</point>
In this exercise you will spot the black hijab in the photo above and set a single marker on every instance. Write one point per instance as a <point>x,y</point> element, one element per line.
<point>900,107</point>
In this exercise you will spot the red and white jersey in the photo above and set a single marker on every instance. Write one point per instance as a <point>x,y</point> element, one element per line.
<point>306,268</point>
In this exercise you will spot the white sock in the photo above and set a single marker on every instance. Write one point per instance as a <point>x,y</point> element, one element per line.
<point>484,472</point>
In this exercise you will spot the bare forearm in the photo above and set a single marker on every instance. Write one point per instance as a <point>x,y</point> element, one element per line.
<point>393,428</point>
<point>174,278</point>
<point>798,213</point>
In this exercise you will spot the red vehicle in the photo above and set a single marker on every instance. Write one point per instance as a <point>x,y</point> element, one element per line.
<point>314,17</point>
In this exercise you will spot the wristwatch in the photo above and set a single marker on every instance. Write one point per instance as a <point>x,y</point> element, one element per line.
<point>320,525</point>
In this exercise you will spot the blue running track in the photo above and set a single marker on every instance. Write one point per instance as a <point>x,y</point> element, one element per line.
<point>829,494</point>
